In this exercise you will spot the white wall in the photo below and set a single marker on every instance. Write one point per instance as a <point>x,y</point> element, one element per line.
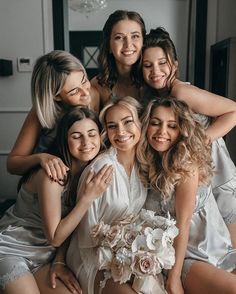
<point>171,14</point>
<point>26,31</point>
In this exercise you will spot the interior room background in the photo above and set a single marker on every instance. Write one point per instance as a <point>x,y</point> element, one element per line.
<point>26,31</point>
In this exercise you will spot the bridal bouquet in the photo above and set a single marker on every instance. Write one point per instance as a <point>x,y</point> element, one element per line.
<point>138,247</point>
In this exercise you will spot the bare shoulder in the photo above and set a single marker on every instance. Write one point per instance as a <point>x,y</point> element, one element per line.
<point>41,181</point>
<point>180,87</point>
<point>195,97</point>
<point>103,92</point>
<point>95,99</point>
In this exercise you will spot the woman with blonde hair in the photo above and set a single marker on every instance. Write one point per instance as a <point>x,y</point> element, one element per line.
<point>125,195</point>
<point>175,161</point>
<point>59,82</point>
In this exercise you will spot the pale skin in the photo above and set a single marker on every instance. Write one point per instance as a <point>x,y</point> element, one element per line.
<point>84,144</point>
<point>156,71</point>
<point>76,90</point>
<point>125,44</point>
<point>162,133</point>
<point>119,124</point>
<point>123,133</point>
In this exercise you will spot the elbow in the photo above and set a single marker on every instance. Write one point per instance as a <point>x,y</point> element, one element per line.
<point>10,168</point>
<point>55,242</point>
<point>235,118</point>
<point>55,239</point>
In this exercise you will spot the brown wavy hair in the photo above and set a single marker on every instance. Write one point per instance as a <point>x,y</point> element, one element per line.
<point>60,148</point>
<point>108,74</point>
<point>159,37</point>
<point>177,164</point>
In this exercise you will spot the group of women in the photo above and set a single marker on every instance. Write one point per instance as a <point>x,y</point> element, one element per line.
<point>157,144</point>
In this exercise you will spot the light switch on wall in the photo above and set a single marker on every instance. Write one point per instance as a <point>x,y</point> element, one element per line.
<point>24,64</point>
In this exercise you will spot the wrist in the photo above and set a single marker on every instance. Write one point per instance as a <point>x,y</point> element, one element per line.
<point>59,262</point>
<point>174,273</point>
<point>86,199</point>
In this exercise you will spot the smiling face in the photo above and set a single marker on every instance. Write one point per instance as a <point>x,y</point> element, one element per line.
<point>75,90</point>
<point>126,42</point>
<point>163,130</point>
<point>123,132</point>
<point>155,66</point>
<point>84,140</point>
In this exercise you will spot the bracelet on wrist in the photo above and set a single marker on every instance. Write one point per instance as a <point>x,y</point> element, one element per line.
<point>59,262</point>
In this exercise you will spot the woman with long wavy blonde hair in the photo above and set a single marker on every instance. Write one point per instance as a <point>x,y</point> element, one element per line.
<point>175,163</point>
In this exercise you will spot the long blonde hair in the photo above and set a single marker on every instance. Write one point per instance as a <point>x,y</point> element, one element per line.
<point>178,163</point>
<point>48,78</point>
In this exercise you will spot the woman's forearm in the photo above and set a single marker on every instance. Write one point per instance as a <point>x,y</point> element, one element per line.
<point>20,164</point>
<point>221,125</point>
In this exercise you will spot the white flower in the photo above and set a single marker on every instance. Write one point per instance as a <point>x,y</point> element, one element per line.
<point>139,244</point>
<point>124,255</point>
<point>147,215</point>
<point>155,239</point>
<point>171,233</point>
<point>166,257</point>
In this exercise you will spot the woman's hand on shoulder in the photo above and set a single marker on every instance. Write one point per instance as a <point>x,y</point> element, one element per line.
<point>54,167</point>
<point>96,183</point>
<point>63,273</point>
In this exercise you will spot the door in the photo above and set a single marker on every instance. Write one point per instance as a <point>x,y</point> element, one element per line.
<point>85,46</point>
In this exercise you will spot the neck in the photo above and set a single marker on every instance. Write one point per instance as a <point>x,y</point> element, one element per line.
<point>123,70</point>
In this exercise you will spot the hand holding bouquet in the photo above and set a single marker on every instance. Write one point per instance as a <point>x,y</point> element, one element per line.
<point>141,246</point>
